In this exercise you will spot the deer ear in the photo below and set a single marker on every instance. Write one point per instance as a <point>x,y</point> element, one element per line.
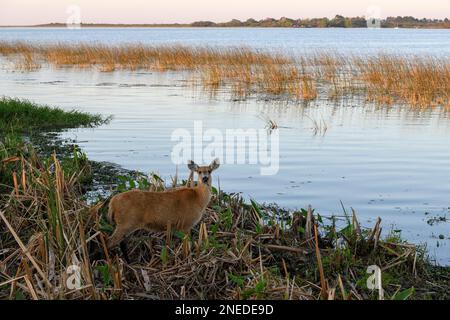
<point>215,164</point>
<point>192,165</point>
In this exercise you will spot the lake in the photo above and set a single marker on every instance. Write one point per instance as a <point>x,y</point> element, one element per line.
<point>355,41</point>
<point>391,162</point>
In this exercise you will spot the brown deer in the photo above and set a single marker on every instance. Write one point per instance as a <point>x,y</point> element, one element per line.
<point>181,208</point>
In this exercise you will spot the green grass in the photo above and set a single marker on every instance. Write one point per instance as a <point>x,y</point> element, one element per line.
<point>19,118</point>
<point>25,116</point>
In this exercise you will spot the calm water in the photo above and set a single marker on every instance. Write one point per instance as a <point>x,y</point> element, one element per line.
<point>387,162</point>
<point>359,41</point>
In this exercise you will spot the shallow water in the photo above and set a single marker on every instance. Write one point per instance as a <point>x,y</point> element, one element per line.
<point>387,162</point>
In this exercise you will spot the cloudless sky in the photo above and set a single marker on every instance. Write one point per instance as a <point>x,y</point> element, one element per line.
<point>25,12</point>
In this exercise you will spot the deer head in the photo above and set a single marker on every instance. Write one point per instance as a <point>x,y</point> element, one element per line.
<point>204,173</point>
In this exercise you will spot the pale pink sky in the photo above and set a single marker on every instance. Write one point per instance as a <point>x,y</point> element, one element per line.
<point>24,12</point>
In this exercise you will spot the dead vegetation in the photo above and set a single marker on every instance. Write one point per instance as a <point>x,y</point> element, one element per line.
<point>386,79</point>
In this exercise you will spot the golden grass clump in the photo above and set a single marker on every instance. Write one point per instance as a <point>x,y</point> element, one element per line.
<point>27,62</point>
<point>419,82</point>
<point>25,56</point>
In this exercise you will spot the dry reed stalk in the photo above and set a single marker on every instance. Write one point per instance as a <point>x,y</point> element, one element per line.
<point>323,283</point>
<point>24,179</point>
<point>309,227</point>
<point>87,270</point>
<point>341,287</point>
<point>24,249</point>
<point>203,235</point>
<point>355,224</point>
<point>16,185</point>
<point>186,247</point>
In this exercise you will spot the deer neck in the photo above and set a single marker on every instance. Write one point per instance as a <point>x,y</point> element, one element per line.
<point>204,191</point>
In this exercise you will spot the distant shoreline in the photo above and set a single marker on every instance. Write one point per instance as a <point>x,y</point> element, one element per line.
<point>174,26</point>
<point>151,26</point>
<point>337,22</point>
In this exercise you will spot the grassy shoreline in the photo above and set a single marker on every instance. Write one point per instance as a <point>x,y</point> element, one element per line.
<point>385,79</point>
<point>24,123</point>
<point>22,115</point>
<point>240,250</point>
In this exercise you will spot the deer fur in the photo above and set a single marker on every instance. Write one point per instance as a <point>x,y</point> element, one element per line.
<point>180,208</point>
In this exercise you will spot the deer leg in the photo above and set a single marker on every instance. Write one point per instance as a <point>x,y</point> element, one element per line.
<point>124,249</point>
<point>117,237</point>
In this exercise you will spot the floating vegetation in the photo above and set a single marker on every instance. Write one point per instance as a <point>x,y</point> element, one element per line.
<point>436,220</point>
<point>270,123</point>
<point>320,127</point>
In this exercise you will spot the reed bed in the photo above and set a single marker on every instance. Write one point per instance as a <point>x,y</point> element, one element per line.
<point>385,79</point>
<point>239,250</point>
<point>419,82</point>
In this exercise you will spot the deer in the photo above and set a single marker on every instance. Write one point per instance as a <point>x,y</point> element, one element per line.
<point>180,208</point>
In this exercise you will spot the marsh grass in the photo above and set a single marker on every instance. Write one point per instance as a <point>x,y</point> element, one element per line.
<point>385,79</point>
<point>22,115</point>
<point>419,82</point>
<point>27,61</point>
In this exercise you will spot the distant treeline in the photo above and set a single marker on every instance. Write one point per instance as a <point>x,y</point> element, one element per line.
<point>337,22</point>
